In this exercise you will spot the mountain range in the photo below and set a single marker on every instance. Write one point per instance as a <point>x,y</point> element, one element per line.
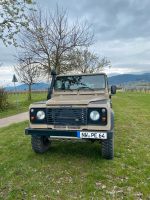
<point>24,87</point>
<point>122,79</point>
<point>129,78</point>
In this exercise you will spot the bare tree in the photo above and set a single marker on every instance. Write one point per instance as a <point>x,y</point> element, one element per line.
<point>83,61</point>
<point>50,39</point>
<point>13,16</point>
<point>27,71</point>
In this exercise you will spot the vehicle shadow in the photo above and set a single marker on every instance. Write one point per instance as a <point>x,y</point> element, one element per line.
<point>76,149</point>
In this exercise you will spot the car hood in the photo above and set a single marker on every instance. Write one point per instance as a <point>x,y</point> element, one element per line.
<point>75,99</point>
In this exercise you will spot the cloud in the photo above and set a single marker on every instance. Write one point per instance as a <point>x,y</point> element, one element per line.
<point>118,19</point>
<point>6,74</point>
<point>7,55</point>
<point>121,31</point>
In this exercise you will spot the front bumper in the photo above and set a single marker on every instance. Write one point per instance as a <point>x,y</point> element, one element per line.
<point>72,134</point>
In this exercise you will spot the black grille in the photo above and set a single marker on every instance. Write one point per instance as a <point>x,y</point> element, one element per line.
<point>67,116</point>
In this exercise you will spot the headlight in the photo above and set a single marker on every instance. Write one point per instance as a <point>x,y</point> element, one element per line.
<point>94,115</point>
<point>40,115</point>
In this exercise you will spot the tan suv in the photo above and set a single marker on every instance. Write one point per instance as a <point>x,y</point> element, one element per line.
<point>78,108</point>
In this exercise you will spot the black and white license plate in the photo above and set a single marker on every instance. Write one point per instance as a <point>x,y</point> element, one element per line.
<point>91,135</point>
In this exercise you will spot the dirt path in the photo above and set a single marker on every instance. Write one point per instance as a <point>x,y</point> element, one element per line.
<point>13,119</point>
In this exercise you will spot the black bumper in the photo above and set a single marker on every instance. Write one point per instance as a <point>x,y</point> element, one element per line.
<point>60,133</point>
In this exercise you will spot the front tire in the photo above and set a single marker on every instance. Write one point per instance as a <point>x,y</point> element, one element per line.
<point>108,149</point>
<point>40,144</point>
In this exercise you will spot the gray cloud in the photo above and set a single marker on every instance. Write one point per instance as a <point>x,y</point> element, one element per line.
<point>111,19</point>
<point>119,19</point>
<point>121,29</point>
<point>7,55</point>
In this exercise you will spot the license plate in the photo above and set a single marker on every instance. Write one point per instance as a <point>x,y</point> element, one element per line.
<point>91,135</point>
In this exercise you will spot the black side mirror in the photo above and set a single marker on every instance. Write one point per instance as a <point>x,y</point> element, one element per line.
<point>113,89</point>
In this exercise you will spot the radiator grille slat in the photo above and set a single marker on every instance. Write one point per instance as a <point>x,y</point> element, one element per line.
<point>67,116</point>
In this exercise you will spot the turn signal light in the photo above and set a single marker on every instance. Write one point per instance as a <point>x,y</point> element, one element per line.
<point>32,117</point>
<point>103,119</point>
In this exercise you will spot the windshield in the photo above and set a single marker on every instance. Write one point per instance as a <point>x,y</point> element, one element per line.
<point>84,82</point>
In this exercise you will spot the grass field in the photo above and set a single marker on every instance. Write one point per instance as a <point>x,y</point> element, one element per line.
<point>22,103</point>
<point>77,171</point>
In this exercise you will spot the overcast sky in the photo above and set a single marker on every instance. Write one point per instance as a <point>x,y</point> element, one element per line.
<point>121,27</point>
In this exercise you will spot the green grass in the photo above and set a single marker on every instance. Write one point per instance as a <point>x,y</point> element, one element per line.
<point>76,170</point>
<point>22,103</point>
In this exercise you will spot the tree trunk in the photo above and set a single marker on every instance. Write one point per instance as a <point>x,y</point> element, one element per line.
<point>29,93</point>
<point>57,67</point>
<point>57,62</point>
<point>49,68</point>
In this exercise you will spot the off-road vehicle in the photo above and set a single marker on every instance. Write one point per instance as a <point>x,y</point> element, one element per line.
<point>78,107</point>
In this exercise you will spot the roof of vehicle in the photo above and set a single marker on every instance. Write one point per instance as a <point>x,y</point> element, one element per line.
<point>86,74</point>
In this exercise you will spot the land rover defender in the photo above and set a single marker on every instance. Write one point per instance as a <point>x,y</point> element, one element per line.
<point>78,107</point>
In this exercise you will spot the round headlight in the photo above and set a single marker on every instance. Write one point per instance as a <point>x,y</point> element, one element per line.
<point>94,115</point>
<point>40,114</point>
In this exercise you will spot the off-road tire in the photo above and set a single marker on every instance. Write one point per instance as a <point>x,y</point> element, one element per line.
<point>40,144</point>
<point>108,149</point>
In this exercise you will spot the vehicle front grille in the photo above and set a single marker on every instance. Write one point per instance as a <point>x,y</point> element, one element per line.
<point>67,116</point>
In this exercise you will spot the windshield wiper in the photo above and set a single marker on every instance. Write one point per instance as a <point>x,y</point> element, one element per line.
<point>83,87</point>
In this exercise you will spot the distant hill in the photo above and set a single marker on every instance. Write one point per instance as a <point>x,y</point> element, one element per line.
<point>129,78</point>
<point>114,80</point>
<point>24,87</point>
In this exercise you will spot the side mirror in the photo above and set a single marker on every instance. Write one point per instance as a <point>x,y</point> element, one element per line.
<point>113,89</point>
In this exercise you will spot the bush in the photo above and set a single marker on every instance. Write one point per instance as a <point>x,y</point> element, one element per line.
<point>3,99</point>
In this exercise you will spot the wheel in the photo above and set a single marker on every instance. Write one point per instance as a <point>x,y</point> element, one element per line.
<point>40,144</point>
<point>108,149</point>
